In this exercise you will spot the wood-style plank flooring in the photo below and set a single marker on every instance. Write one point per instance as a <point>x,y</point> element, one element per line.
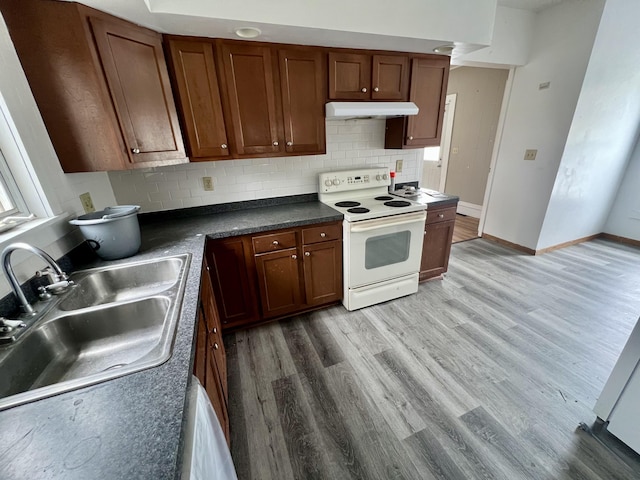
<point>483,375</point>
<point>465,228</point>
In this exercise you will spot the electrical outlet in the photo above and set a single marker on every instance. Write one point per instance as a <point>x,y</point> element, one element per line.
<point>207,182</point>
<point>530,154</point>
<point>454,150</point>
<point>87,203</point>
<point>399,163</point>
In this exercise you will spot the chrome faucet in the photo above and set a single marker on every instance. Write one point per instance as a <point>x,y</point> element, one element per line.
<point>59,280</point>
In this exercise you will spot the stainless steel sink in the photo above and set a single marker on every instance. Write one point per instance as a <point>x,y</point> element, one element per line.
<point>117,320</point>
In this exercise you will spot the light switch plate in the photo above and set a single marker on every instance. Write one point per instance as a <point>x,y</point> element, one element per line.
<point>207,183</point>
<point>87,203</point>
<point>530,154</point>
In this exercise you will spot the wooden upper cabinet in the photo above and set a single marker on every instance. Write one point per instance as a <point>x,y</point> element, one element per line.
<point>302,79</point>
<point>428,90</point>
<point>349,76</point>
<point>194,73</point>
<point>390,79</point>
<point>362,76</point>
<point>136,72</point>
<point>250,93</point>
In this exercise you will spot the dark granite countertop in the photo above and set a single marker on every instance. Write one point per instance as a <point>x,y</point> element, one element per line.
<point>131,427</point>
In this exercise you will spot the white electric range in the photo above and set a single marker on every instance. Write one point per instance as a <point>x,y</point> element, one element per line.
<point>382,235</point>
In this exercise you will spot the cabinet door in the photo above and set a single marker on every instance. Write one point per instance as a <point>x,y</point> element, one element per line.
<point>428,91</point>
<point>216,395</point>
<point>279,282</point>
<point>196,81</point>
<point>323,272</point>
<point>200,360</point>
<point>250,91</point>
<point>136,72</point>
<point>213,326</point>
<point>232,283</point>
<point>390,79</point>
<point>436,249</point>
<point>349,76</point>
<point>302,78</point>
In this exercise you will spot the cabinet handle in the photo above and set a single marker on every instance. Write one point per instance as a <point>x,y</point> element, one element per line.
<point>376,89</point>
<point>275,144</point>
<point>289,144</point>
<point>322,235</point>
<point>216,346</point>
<point>307,254</point>
<point>425,232</point>
<point>363,89</point>
<point>224,145</point>
<point>410,138</point>
<point>135,150</point>
<point>215,330</point>
<point>441,215</point>
<point>276,242</point>
<point>294,257</point>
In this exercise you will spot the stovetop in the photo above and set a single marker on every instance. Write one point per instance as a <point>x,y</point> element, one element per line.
<point>362,194</point>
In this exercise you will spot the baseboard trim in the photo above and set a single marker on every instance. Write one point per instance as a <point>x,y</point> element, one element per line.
<point>568,244</point>
<point>619,239</point>
<point>469,209</point>
<point>507,243</point>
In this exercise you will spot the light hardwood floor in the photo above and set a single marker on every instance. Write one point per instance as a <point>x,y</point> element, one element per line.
<point>483,375</point>
<point>466,228</point>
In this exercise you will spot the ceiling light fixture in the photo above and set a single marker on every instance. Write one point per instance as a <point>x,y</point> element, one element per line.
<point>248,32</point>
<point>444,49</point>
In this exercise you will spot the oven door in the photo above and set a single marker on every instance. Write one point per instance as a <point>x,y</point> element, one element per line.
<point>383,248</point>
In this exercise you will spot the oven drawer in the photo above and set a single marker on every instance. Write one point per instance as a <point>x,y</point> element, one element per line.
<point>325,233</point>
<point>274,242</point>
<point>441,215</point>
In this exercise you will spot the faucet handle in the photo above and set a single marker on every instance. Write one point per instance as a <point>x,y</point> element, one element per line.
<point>53,276</point>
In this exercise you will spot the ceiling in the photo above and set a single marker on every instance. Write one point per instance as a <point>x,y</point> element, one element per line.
<point>533,5</point>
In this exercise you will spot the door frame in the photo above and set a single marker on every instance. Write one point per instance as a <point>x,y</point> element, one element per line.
<point>445,143</point>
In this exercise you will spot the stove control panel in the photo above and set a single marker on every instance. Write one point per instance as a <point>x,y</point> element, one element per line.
<point>347,180</point>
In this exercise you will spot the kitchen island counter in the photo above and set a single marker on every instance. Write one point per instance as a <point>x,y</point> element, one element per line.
<point>132,427</point>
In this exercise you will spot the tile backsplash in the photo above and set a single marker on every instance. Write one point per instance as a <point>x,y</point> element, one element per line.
<point>350,143</point>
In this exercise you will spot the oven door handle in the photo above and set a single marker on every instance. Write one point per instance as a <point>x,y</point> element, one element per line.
<point>388,222</point>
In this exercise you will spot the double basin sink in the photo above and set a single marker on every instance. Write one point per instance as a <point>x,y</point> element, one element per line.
<point>115,321</point>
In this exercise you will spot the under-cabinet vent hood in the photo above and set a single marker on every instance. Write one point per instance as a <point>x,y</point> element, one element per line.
<point>345,110</point>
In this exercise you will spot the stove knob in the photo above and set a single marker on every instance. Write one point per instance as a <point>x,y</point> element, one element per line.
<point>328,183</point>
<point>336,181</point>
<point>385,176</point>
<point>378,177</point>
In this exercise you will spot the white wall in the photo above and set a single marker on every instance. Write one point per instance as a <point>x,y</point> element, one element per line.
<point>349,143</point>
<point>624,219</point>
<point>602,136</point>
<point>540,119</point>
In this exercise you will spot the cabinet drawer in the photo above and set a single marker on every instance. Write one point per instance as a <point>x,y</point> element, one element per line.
<point>274,242</point>
<point>441,215</point>
<point>325,233</point>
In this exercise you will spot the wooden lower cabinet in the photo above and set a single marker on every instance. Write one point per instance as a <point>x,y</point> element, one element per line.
<point>210,364</point>
<point>275,274</point>
<point>436,247</point>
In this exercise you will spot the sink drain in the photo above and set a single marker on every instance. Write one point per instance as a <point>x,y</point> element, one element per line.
<point>117,365</point>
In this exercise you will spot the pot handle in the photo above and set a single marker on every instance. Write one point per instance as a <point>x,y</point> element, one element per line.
<point>135,209</point>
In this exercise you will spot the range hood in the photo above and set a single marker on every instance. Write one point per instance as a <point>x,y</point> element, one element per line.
<point>345,110</point>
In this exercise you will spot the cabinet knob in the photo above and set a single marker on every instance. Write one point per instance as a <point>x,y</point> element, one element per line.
<point>410,138</point>
<point>135,150</point>
<point>276,242</point>
<point>307,254</point>
<point>322,235</point>
<point>425,232</point>
<point>215,330</point>
<point>376,89</point>
<point>363,89</point>
<point>441,215</point>
<point>224,145</point>
<point>294,256</point>
<point>216,346</point>
<point>275,144</point>
<point>289,144</point>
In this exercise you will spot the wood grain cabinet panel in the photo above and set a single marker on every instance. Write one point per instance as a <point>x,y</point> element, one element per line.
<point>428,90</point>
<point>436,247</point>
<point>323,272</point>
<point>390,77</point>
<point>349,76</point>
<point>279,282</point>
<point>302,79</point>
<point>136,72</point>
<point>231,278</point>
<point>251,95</point>
<point>194,73</point>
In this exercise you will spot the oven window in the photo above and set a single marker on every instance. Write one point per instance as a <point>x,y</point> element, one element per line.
<point>386,249</point>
